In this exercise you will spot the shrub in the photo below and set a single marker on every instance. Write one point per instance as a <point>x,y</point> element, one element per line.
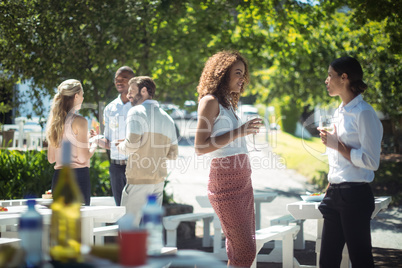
<point>24,173</point>
<point>28,173</point>
<point>99,173</point>
<point>388,181</point>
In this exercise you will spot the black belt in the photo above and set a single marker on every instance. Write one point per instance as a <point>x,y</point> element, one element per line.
<point>118,162</point>
<point>346,185</point>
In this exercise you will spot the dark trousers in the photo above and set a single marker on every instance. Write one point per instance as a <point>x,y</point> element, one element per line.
<point>83,181</point>
<point>117,180</point>
<point>347,210</point>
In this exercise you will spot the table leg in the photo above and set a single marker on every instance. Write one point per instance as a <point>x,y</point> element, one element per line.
<point>320,224</point>
<point>257,214</point>
<point>217,235</point>
<point>87,231</point>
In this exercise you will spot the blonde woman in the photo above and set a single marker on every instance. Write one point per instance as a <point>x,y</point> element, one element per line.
<point>220,135</point>
<point>64,123</point>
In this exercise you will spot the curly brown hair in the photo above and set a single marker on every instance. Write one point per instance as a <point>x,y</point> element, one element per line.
<point>215,78</point>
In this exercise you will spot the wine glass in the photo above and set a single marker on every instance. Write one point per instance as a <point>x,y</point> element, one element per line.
<point>250,117</point>
<point>327,125</point>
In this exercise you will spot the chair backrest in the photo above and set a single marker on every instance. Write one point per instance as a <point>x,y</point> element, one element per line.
<point>8,137</point>
<point>9,127</point>
<point>203,201</point>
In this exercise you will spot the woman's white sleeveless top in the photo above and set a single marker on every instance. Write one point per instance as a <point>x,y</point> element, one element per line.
<point>225,122</point>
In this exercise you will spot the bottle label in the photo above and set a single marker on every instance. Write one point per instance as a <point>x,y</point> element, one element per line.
<point>152,218</point>
<point>31,223</point>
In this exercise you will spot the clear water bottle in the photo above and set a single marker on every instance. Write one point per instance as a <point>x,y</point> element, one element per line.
<point>152,214</point>
<point>30,232</point>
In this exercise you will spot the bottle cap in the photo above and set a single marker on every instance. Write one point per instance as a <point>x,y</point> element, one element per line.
<point>31,202</point>
<point>151,199</point>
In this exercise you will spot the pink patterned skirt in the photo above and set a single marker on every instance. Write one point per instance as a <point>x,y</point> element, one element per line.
<point>231,195</point>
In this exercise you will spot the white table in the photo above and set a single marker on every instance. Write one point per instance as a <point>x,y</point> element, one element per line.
<point>95,201</point>
<point>89,215</point>
<point>309,210</point>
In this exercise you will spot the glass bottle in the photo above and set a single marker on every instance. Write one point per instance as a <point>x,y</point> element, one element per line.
<point>65,230</point>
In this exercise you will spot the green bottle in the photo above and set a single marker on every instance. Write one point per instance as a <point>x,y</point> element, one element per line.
<point>65,229</point>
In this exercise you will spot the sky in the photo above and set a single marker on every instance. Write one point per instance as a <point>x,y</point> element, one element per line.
<point>26,108</point>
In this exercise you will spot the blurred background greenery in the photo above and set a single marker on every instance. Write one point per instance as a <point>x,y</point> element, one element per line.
<point>288,43</point>
<point>28,173</point>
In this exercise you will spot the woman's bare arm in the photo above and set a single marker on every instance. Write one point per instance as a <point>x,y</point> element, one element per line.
<point>80,128</point>
<point>51,154</point>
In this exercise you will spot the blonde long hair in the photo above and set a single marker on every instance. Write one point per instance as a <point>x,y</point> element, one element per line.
<point>63,102</point>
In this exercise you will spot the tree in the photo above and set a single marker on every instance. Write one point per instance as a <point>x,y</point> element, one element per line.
<point>296,43</point>
<point>6,99</point>
<point>289,45</point>
<point>50,41</point>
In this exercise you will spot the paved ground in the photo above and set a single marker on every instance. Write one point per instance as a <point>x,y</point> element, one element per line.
<point>189,177</point>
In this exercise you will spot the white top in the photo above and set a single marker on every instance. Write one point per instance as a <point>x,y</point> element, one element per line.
<point>358,127</point>
<point>115,115</point>
<point>69,135</point>
<point>225,122</point>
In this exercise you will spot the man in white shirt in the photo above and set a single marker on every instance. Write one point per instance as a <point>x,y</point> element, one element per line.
<point>115,115</point>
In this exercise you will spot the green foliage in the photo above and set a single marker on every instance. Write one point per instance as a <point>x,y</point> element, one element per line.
<point>50,41</point>
<point>25,173</point>
<point>296,43</point>
<point>289,45</point>
<point>167,197</point>
<point>5,108</point>
<point>28,173</point>
<point>99,174</point>
<point>289,115</point>
<point>388,181</point>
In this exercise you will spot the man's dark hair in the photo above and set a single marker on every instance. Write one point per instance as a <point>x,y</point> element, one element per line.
<point>144,81</point>
<point>125,69</point>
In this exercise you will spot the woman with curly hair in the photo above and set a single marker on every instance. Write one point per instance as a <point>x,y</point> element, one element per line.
<point>64,123</point>
<point>220,134</point>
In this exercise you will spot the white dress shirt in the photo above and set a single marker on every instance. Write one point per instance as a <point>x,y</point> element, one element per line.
<point>115,115</point>
<point>359,128</point>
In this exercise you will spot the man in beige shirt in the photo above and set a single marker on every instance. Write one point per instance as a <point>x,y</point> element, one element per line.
<point>150,141</point>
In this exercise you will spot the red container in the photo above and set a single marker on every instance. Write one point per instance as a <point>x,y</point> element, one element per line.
<point>133,247</point>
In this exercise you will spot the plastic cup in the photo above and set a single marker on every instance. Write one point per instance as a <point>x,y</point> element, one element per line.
<point>133,247</point>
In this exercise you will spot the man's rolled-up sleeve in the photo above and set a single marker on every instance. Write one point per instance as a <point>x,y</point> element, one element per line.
<point>370,135</point>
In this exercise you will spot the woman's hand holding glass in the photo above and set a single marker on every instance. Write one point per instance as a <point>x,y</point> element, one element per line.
<point>328,133</point>
<point>253,127</point>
